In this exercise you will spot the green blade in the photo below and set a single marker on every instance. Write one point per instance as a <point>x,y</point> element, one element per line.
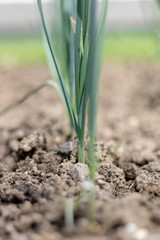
<point>78,50</point>
<point>102,20</point>
<point>71,63</point>
<point>83,71</point>
<point>85,18</point>
<point>93,75</point>
<point>62,83</point>
<point>23,99</point>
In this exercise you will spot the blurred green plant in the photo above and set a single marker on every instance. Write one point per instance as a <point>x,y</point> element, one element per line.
<point>158,30</point>
<point>154,27</point>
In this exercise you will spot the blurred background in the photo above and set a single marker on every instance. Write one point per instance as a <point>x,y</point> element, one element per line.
<point>132,31</point>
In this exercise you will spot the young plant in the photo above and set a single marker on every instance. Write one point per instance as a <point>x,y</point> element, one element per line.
<point>87,31</point>
<point>79,89</point>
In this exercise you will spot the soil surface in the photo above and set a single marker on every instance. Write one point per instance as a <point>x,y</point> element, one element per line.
<point>40,180</point>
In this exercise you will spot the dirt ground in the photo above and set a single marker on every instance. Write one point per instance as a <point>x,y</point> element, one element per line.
<point>38,183</point>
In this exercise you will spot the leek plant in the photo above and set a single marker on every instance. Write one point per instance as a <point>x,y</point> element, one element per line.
<point>87,28</point>
<point>79,87</point>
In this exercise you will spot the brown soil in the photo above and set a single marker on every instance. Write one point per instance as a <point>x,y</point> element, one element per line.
<point>38,182</point>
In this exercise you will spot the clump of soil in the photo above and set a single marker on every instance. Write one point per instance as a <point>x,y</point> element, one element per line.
<point>40,177</point>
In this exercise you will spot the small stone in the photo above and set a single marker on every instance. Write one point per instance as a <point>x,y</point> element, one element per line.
<point>101,182</point>
<point>137,233</point>
<point>65,148</point>
<point>131,228</point>
<point>88,185</point>
<point>141,234</point>
<point>80,172</point>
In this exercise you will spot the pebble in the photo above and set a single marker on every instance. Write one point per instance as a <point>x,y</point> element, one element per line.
<point>141,234</point>
<point>137,233</point>
<point>65,148</point>
<point>88,185</point>
<point>101,182</point>
<point>80,172</point>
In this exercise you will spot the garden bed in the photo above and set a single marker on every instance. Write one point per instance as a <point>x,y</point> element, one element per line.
<point>36,178</point>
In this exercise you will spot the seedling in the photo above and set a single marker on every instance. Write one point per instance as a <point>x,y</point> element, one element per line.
<point>79,88</point>
<point>87,33</point>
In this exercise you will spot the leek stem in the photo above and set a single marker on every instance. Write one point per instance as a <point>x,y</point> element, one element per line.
<point>81,152</point>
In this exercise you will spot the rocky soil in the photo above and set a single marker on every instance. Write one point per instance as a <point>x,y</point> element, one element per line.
<point>41,182</point>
